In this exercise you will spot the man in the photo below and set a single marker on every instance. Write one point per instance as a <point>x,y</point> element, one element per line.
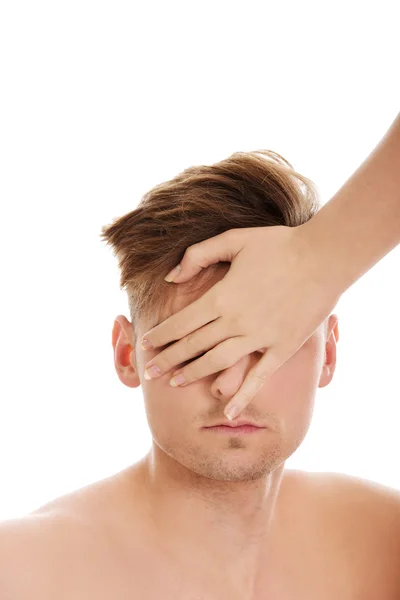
<point>211,513</point>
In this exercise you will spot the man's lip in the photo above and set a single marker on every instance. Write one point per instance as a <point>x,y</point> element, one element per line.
<point>235,424</point>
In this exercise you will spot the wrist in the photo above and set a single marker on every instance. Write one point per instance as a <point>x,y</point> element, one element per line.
<point>323,259</point>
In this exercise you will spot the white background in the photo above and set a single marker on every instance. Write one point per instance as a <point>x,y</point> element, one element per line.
<point>100,101</point>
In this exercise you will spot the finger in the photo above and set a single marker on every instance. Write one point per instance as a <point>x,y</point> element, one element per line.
<point>188,347</point>
<point>219,358</point>
<point>219,248</point>
<point>253,382</point>
<point>192,317</point>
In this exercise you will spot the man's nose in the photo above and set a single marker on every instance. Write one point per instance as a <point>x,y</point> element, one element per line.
<point>228,382</point>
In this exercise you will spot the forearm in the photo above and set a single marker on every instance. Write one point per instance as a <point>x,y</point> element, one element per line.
<point>361,222</point>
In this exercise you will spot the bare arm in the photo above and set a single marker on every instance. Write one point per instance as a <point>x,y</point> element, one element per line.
<point>276,305</point>
<point>361,222</point>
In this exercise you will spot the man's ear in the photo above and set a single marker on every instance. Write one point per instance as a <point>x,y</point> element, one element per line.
<point>123,342</point>
<point>332,336</point>
<point>335,328</point>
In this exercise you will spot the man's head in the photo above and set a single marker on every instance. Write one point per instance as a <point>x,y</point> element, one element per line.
<point>176,416</point>
<point>245,190</point>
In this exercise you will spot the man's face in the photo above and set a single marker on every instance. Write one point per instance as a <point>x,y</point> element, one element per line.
<point>284,405</point>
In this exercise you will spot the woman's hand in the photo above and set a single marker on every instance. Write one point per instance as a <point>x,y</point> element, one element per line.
<point>275,295</point>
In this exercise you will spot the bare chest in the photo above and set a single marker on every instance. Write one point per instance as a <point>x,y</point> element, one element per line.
<point>321,554</point>
<point>317,573</point>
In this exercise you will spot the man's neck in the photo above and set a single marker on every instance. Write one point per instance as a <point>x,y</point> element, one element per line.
<point>222,527</point>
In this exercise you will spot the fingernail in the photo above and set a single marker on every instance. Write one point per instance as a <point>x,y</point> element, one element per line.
<point>232,412</point>
<point>172,274</point>
<point>177,380</point>
<point>152,372</point>
<point>146,344</point>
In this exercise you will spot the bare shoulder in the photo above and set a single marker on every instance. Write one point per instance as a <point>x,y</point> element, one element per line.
<point>38,553</point>
<point>363,519</point>
<point>361,498</point>
<point>28,555</point>
<point>66,544</point>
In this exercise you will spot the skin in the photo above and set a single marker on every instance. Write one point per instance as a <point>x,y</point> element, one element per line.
<point>211,491</point>
<point>210,516</point>
<point>273,304</point>
<point>272,535</point>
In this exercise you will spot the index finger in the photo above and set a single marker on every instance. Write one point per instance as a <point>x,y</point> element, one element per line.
<point>188,319</point>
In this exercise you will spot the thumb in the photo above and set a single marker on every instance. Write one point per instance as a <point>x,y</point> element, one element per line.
<point>220,248</point>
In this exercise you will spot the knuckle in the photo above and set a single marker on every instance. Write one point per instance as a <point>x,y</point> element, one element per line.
<point>176,328</point>
<point>246,398</point>
<point>260,377</point>
<point>192,250</point>
<point>232,233</point>
<point>165,363</point>
<point>216,359</point>
<point>239,322</point>
<point>190,340</point>
<point>194,371</point>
